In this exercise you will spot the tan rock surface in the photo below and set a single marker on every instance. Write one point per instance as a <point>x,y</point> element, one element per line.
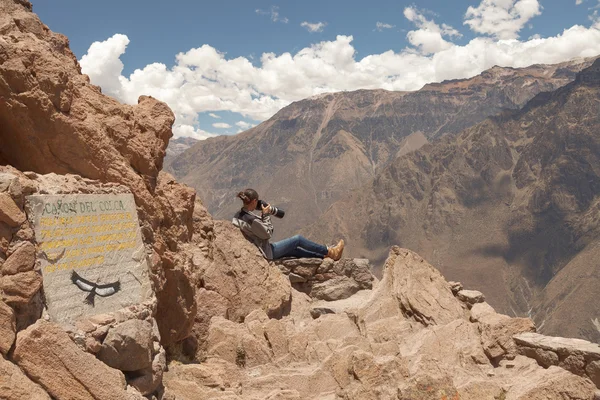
<point>372,348</point>
<point>7,328</point>
<point>15,385</point>
<point>46,353</point>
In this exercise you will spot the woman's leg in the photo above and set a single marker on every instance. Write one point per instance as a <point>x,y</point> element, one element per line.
<point>288,248</point>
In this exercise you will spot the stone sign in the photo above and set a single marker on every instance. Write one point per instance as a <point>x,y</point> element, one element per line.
<point>91,252</point>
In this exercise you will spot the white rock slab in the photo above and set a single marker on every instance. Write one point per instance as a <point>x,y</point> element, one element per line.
<point>91,253</point>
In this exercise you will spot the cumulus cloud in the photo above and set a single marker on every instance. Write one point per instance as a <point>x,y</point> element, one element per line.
<point>274,14</point>
<point>244,124</point>
<point>204,80</point>
<point>578,2</point>
<point>221,125</point>
<point>215,116</point>
<point>502,19</point>
<point>380,26</point>
<point>316,27</point>
<point>429,38</point>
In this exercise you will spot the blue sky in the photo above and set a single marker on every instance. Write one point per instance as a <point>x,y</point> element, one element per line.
<point>416,43</point>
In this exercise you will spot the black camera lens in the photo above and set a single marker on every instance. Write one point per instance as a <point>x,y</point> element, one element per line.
<point>278,212</point>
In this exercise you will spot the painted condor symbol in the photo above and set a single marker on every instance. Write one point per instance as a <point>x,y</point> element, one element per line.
<point>101,290</point>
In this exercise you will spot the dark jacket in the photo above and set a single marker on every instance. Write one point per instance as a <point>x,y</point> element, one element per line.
<point>257,228</point>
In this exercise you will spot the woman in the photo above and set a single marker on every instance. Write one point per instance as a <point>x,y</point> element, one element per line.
<point>259,229</point>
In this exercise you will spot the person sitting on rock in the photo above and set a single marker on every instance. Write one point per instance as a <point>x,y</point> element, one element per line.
<point>258,229</point>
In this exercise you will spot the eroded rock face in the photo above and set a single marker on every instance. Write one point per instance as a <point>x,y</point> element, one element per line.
<point>53,120</point>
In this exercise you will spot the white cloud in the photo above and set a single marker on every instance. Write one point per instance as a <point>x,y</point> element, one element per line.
<point>205,80</point>
<point>214,115</point>
<point>190,131</point>
<point>316,27</point>
<point>578,2</point>
<point>221,125</point>
<point>429,37</point>
<point>502,19</point>
<point>380,26</point>
<point>244,124</point>
<point>274,14</point>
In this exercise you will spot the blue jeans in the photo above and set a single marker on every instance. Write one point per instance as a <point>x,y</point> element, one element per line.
<point>299,247</point>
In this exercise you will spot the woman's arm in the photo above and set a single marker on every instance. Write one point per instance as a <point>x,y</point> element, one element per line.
<point>252,225</point>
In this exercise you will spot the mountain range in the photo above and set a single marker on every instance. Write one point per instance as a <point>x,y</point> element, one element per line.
<point>315,151</point>
<point>510,205</point>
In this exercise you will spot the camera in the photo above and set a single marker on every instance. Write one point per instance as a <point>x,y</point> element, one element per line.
<point>278,212</point>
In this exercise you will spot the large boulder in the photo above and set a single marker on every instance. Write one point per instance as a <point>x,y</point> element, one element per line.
<point>238,272</point>
<point>47,355</point>
<point>415,289</point>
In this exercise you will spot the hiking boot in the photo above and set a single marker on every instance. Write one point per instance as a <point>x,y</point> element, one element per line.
<point>335,252</point>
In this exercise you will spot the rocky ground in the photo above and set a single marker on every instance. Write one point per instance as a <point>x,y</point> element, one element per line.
<point>222,322</point>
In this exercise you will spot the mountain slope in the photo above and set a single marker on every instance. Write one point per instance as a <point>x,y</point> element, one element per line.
<point>315,151</point>
<point>510,206</point>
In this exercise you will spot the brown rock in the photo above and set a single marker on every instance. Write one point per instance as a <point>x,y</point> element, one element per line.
<point>240,274</point>
<point>15,385</point>
<point>574,363</point>
<point>545,358</point>
<point>470,296</point>
<point>421,291</point>
<point>44,351</point>
<point>21,260</point>
<point>19,289</point>
<point>128,346</point>
<point>7,328</point>
<point>338,288</point>
<point>147,380</point>
<point>5,237</point>
<point>593,371</point>
<point>497,333</point>
<point>10,213</point>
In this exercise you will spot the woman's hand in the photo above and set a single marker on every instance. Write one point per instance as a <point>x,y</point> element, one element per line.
<point>267,209</point>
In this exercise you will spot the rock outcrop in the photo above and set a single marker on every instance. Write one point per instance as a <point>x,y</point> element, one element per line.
<point>326,279</point>
<point>53,120</point>
<point>408,337</point>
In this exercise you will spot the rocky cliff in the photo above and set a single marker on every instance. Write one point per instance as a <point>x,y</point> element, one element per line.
<point>219,321</point>
<point>315,151</point>
<point>509,205</point>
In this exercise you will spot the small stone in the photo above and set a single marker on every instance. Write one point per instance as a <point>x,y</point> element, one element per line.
<point>10,213</point>
<point>470,296</point>
<point>21,260</point>
<point>318,311</point>
<point>19,289</point>
<point>455,287</point>
<point>128,346</point>
<point>295,278</point>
